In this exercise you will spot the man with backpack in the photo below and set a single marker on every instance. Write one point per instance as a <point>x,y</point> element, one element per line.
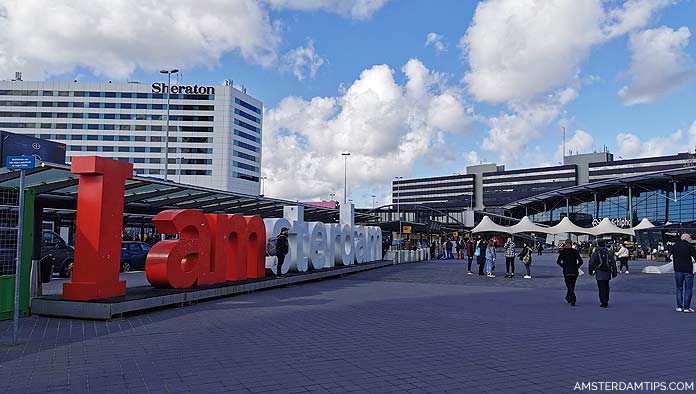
<point>282,248</point>
<point>603,267</point>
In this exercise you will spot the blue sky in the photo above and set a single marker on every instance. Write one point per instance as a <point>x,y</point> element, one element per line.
<point>496,84</point>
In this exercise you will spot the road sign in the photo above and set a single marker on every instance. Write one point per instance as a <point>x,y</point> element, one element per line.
<point>406,229</point>
<point>455,234</point>
<point>23,162</point>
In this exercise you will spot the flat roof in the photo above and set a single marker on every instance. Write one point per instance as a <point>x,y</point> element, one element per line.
<point>56,188</point>
<point>647,181</point>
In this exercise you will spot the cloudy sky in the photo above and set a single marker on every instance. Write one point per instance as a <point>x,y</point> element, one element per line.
<point>410,87</point>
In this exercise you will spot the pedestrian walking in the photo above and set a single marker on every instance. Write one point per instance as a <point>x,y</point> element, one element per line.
<point>480,254</point>
<point>458,247</point>
<point>540,248</point>
<point>569,259</point>
<point>682,253</point>
<point>448,246</point>
<point>622,255</point>
<point>526,257</point>
<point>603,267</point>
<point>282,248</point>
<point>469,255</point>
<point>432,250</point>
<point>509,258</point>
<point>490,259</point>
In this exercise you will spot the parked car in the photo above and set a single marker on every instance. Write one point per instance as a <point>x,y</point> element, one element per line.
<point>63,255</point>
<point>133,255</point>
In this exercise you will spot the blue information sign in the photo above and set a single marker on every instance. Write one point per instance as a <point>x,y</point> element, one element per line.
<point>23,162</point>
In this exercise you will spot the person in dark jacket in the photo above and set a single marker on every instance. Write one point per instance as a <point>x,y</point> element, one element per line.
<point>569,259</point>
<point>481,258</point>
<point>469,254</point>
<point>282,248</point>
<point>526,256</point>
<point>682,253</point>
<point>603,267</point>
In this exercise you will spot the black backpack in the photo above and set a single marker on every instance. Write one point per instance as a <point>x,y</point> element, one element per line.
<point>603,261</point>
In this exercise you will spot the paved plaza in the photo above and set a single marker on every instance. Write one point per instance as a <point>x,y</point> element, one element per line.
<point>412,328</point>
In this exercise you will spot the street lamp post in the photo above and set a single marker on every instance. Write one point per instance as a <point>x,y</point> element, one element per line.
<point>263,178</point>
<point>166,127</point>
<point>398,203</point>
<point>345,177</point>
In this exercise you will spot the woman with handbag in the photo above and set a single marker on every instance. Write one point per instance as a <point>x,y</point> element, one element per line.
<point>526,257</point>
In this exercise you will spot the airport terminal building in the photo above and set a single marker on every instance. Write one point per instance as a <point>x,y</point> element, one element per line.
<point>214,131</point>
<point>586,188</point>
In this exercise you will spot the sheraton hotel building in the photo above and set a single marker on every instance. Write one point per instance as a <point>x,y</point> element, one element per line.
<point>585,188</point>
<point>214,131</point>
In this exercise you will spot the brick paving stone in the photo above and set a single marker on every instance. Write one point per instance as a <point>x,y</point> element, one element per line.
<point>416,328</point>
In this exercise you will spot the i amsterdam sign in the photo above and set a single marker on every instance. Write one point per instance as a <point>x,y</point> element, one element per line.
<point>209,248</point>
<point>161,87</point>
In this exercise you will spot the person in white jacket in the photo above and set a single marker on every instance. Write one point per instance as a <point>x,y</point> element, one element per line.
<point>622,255</point>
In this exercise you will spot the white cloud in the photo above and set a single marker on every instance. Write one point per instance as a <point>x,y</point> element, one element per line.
<point>114,38</point>
<point>517,49</point>
<point>580,142</point>
<point>385,126</point>
<point>511,133</point>
<point>659,64</point>
<point>633,15</point>
<point>472,157</point>
<point>356,9</point>
<point>504,46</point>
<point>304,62</point>
<point>630,145</point>
<point>435,40</point>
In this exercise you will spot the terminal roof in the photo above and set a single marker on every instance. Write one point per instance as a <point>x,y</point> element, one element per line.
<point>56,188</point>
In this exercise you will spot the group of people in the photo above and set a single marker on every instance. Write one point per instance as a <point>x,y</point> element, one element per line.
<point>485,254</point>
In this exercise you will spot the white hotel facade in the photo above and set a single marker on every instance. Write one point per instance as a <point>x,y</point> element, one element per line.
<point>214,131</point>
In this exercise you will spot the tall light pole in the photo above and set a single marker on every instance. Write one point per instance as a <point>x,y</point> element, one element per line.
<point>345,177</point>
<point>166,127</point>
<point>263,178</point>
<point>398,203</point>
<point>564,136</point>
<point>373,201</point>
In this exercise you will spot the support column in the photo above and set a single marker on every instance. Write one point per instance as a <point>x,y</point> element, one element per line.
<point>568,208</point>
<point>630,205</point>
<point>596,206</point>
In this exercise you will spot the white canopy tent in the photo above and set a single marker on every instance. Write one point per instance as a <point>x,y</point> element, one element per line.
<point>566,226</point>
<point>645,223</point>
<point>607,227</point>
<point>488,226</point>
<point>527,226</point>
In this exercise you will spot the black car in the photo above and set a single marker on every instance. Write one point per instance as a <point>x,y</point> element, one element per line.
<point>133,255</point>
<point>63,255</point>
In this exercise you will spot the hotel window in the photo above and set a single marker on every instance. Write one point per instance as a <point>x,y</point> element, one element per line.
<point>247,136</point>
<point>247,105</point>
